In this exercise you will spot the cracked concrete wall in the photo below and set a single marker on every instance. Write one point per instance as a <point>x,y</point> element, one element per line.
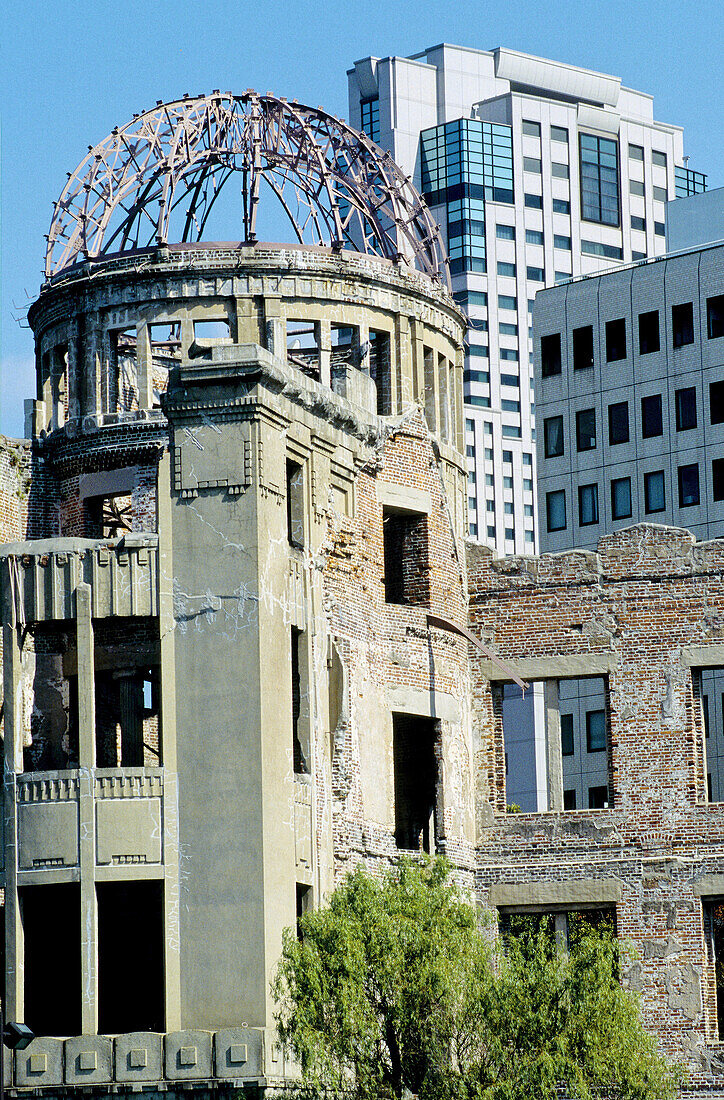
<point>647,604</point>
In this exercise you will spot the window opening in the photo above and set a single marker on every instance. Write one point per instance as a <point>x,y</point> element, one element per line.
<point>716,402</point>
<point>587,505</point>
<point>651,416</point>
<point>380,370</point>
<point>553,436</point>
<point>406,566</point>
<point>654,491</point>
<point>51,921</point>
<point>618,429</point>
<point>649,332</point>
<point>130,957</point>
<point>550,354</point>
<point>123,381</point>
<point>300,703</point>
<point>295,504</point>
<point>685,400</point>
<point>615,340</point>
<point>415,781</point>
<point>303,346</point>
<point>586,429</point>
<point>688,485</point>
<point>715,317</point>
<point>556,510</point>
<point>583,347</point>
<point>621,498</point>
<point>304,903</point>
<point>682,324</point>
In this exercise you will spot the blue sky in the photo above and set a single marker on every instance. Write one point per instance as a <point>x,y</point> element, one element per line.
<point>70,70</point>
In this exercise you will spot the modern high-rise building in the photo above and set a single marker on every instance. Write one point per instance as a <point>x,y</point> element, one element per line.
<point>536,171</point>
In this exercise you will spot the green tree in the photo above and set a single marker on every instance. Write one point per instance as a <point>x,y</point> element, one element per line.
<point>395,987</point>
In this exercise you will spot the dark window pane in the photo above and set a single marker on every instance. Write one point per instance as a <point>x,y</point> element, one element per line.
<point>621,497</point>
<point>715,316</point>
<point>686,409</point>
<point>717,478</point>
<point>567,746</point>
<point>649,332</point>
<point>569,800</point>
<point>651,419</point>
<point>654,492</point>
<point>618,431</point>
<point>615,340</point>
<point>587,505</point>
<point>556,510</point>
<point>716,402</point>
<point>598,798</point>
<point>682,324</point>
<point>596,730</point>
<point>688,485</point>
<point>586,429</point>
<point>553,436</point>
<point>550,354</point>
<point>583,347</point>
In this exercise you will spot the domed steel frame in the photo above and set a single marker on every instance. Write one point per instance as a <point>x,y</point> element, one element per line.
<point>338,188</point>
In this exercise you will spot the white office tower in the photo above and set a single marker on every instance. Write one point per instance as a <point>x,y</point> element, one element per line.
<point>536,171</point>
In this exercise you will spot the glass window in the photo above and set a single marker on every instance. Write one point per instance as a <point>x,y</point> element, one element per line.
<point>562,242</point>
<point>561,206</point>
<point>716,402</point>
<point>635,152</point>
<point>599,179</point>
<point>567,745</point>
<point>717,478</point>
<point>685,401</point>
<point>510,406</point>
<point>682,324</point>
<point>660,229</point>
<point>553,436</point>
<point>688,485</point>
<point>569,799</point>
<point>651,418</point>
<point>527,459</point>
<point>715,316</point>
<point>559,171</point>
<point>598,797</point>
<point>636,187</point>
<point>533,236</point>
<point>596,730</point>
<point>371,118</point>
<point>531,164</point>
<point>480,376</point>
<point>561,276</point>
<point>649,332</point>
<point>583,347</point>
<point>638,223</point>
<point>535,274</point>
<point>637,255</point>
<point>506,269</point>
<point>534,202</point>
<point>550,354</point>
<point>509,355</point>
<point>506,329</point>
<point>586,429</point>
<point>532,129</point>
<point>506,301</point>
<point>469,425</point>
<point>660,194</point>
<point>618,430</point>
<point>608,251</point>
<point>505,232</point>
<point>556,510</point>
<point>479,351</point>
<point>615,340</point>
<point>510,431</point>
<point>621,497</point>
<point>559,133</point>
<point>587,505</point>
<point>654,492</point>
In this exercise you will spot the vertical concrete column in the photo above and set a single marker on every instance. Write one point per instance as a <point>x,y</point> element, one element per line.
<point>91,370</point>
<point>554,758</point>
<point>405,371</point>
<point>14,992</point>
<point>74,371</point>
<point>107,389</point>
<point>171,897</point>
<point>361,347</point>
<point>459,411</point>
<point>324,343</point>
<point>145,366</point>
<point>274,327</point>
<point>418,365</point>
<point>86,794</point>
<point>247,322</point>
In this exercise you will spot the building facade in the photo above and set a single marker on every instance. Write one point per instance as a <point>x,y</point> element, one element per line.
<point>536,171</point>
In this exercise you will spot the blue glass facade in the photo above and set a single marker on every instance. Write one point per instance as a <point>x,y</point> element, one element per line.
<point>465,163</point>
<point>599,180</point>
<point>688,182</point>
<point>371,118</point>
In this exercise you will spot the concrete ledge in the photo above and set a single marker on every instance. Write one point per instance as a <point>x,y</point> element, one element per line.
<point>703,656</point>
<point>238,1052</point>
<point>88,1060</point>
<point>40,1064</point>
<point>404,498</point>
<point>188,1055</point>
<point>554,668</point>
<point>571,892</point>
<point>427,704</point>
<point>138,1056</point>
<point>709,886</point>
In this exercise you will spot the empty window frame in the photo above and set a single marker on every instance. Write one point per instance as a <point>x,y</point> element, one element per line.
<point>127,711</point>
<point>713,913</point>
<point>213,331</point>
<point>130,957</point>
<point>615,339</point>
<point>300,703</point>
<point>50,739</point>
<point>556,510</point>
<point>583,347</point>
<point>415,781</point>
<point>716,402</point>
<point>550,354</point>
<point>651,416</point>
<point>688,485</point>
<point>564,927</point>
<point>553,436</point>
<point>587,505</point>
<point>682,324</point>
<point>685,405</point>
<point>715,317</point>
<point>381,370</point>
<point>618,427</point>
<point>51,919</point>
<point>649,340</point>
<point>654,492</point>
<point>406,564</point>
<point>621,498</point>
<point>295,504</point>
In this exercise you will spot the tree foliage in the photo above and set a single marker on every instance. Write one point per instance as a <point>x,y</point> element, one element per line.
<point>394,987</point>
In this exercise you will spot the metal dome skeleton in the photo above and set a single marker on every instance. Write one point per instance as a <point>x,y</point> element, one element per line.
<point>169,164</point>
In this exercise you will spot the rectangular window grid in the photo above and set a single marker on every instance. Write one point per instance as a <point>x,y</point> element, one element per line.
<point>371,118</point>
<point>599,179</point>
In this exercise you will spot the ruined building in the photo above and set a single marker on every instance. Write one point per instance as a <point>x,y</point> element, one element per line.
<point>237,611</point>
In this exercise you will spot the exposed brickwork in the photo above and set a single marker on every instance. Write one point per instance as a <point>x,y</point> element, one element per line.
<point>647,595</point>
